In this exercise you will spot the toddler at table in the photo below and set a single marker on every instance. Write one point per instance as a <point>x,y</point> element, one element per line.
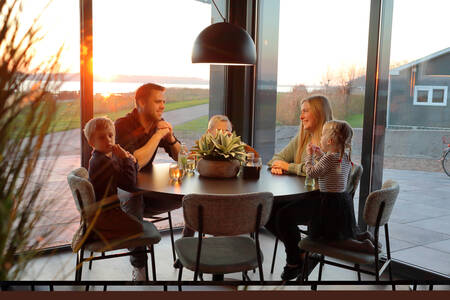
<point>334,220</point>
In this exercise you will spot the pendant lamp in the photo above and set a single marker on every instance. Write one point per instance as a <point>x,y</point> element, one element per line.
<point>224,44</point>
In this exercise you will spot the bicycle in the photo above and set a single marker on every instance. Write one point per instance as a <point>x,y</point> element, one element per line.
<point>445,159</point>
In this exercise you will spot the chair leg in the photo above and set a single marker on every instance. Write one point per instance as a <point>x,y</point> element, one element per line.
<point>359,272</point>
<point>390,276</point>
<point>274,256</point>
<point>80,263</point>
<point>172,240</point>
<point>153,262</point>
<point>104,288</point>
<point>303,274</point>
<point>180,274</point>
<point>321,267</point>
<point>431,287</point>
<point>76,266</point>
<point>146,270</point>
<point>90,262</point>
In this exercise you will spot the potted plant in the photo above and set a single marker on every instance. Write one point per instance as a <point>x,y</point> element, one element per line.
<point>220,154</point>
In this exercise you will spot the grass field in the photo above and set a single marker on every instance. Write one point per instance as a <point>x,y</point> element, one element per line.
<point>198,125</point>
<point>356,121</point>
<point>68,115</point>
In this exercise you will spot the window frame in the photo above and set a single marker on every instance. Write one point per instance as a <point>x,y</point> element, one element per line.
<point>430,89</point>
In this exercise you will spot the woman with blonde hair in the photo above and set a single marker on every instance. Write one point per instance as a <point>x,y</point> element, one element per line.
<point>288,213</point>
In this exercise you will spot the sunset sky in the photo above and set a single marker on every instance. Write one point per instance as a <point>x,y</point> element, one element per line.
<point>155,37</point>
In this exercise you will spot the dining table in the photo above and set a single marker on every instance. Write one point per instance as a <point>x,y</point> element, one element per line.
<point>156,182</point>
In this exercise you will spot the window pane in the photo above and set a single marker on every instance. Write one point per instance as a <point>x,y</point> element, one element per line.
<point>422,96</point>
<point>419,225</point>
<point>152,43</point>
<point>59,27</point>
<point>438,96</point>
<point>317,58</point>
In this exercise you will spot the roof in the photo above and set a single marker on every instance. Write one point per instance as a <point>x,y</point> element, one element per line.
<point>420,60</point>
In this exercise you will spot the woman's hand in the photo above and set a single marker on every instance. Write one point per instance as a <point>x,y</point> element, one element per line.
<point>276,171</point>
<point>280,164</point>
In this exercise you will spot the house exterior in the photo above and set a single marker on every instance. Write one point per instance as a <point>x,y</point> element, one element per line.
<point>419,93</point>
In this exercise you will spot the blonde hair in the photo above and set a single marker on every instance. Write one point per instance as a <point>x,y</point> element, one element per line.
<point>97,124</point>
<point>217,118</point>
<point>321,109</point>
<point>342,133</point>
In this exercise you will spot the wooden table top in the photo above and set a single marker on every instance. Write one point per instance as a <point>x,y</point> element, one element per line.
<point>157,181</point>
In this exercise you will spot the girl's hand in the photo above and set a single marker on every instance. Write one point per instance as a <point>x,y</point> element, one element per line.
<point>316,150</point>
<point>276,171</point>
<point>280,164</point>
<point>309,149</point>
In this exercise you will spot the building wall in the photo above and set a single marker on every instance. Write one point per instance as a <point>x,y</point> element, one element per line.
<point>403,112</point>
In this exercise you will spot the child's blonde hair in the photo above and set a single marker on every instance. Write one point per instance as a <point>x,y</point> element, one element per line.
<point>97,124</point>
<point>342,133</point>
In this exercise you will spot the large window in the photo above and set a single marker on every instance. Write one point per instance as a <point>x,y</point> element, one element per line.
<point>418,118</point>
<point>318,58</point>
<point>152,42</point>
<point>59,23</point>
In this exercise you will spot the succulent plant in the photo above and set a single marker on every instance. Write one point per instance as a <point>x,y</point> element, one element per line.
<point>221,146</point>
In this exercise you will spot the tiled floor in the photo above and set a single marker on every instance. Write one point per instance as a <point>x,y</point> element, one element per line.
<point>61,267</point>
<point>420,224</point>
<point>419,227</point>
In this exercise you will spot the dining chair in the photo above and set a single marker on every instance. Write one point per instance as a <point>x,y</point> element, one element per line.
<point>352,186</point>
<point>377,211</point>
<point>83,194</point>
<point>227,218</point>
<point>152,217</point>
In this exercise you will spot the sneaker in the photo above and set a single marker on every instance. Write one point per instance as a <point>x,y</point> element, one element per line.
<point>177,264</point>
<point>290,273</point>
<point>138,274</point>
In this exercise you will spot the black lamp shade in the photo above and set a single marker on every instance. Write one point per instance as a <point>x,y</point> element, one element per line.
<point>224,43</point>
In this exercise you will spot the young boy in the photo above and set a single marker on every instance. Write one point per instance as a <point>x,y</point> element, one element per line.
<point>111,167</point>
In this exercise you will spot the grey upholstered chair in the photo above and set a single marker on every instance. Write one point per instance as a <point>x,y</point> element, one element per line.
<point>125,196</point>
<point>227,218</point>
<point>352,186</point>
<point>83,194</point>
<point>377,211</point>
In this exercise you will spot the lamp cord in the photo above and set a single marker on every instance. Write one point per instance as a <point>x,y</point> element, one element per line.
<point>218,10</point>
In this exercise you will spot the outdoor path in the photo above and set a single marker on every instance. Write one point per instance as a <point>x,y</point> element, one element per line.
<point>69,141</point>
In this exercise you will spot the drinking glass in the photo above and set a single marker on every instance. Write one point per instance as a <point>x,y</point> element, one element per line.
<point>190,165</point>
<point>252,168</point>
<point>175,172</point>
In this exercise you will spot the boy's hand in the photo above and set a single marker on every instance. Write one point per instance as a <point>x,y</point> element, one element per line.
<point>120,152</point>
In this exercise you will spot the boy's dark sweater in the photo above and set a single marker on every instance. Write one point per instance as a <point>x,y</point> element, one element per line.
<point>108,173</point>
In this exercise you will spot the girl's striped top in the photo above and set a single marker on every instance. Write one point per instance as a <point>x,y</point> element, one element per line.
<point>332,174</point>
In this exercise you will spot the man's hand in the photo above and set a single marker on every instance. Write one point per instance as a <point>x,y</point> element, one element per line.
<point>280,164</point>
<point>166,125</point>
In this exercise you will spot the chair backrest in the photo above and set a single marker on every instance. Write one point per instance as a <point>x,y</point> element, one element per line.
<point>82,190</point>
<point>387,195</point>
<point>354,178</point>
<point>227,215</point>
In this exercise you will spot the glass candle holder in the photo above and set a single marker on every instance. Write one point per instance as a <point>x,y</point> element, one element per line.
<point>175,172</point>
